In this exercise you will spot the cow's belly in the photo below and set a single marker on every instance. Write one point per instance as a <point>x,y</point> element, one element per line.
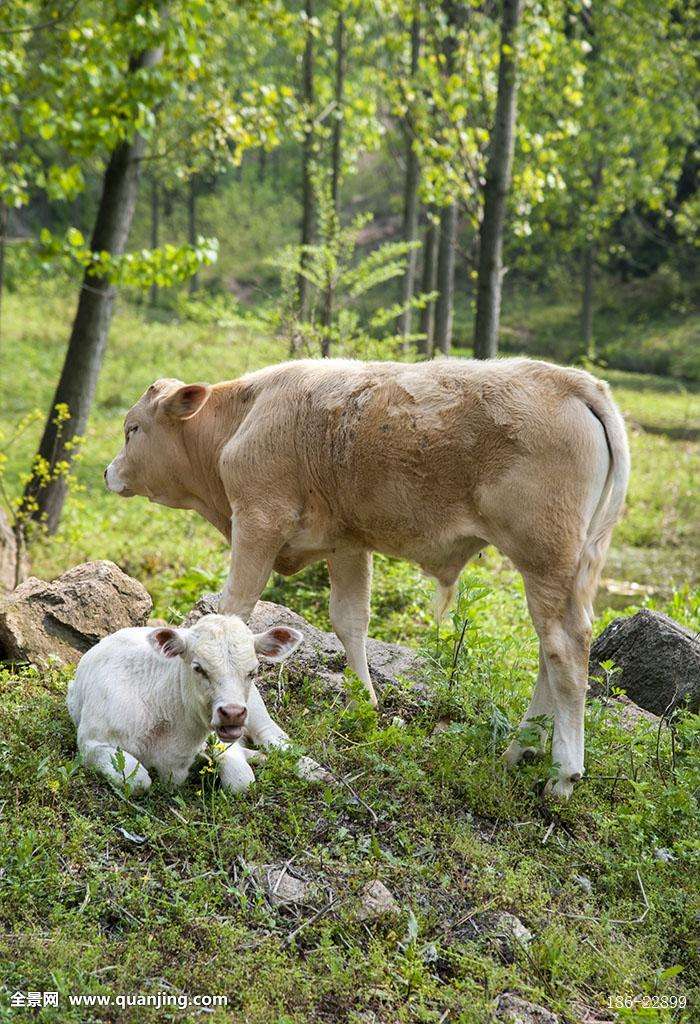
<point>439,548</point>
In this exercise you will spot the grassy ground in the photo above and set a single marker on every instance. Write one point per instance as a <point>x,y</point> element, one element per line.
<point>87,908</point>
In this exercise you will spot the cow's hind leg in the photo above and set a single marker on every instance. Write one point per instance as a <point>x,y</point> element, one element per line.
<point>564,630</point>
<point>541,706</point>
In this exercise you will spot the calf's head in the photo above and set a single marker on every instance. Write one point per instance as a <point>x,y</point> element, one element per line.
<point>153,461</point>
<point>221,655</point>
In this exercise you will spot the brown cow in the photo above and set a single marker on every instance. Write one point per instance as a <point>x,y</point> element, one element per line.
<point>430,462</point>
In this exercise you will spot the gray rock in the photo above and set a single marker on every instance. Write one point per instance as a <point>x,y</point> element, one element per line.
<point>658,659</point>
<point>8,557</point>
<point>375,901</point>
<point>630,715</point>
<point>43,622</point>
<point>280,886</point>
<point>321,655</point>
<point>516,1010</point>
<point>504,928</point>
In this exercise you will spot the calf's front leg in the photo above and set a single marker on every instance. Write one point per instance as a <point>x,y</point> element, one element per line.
<point>265,732</point>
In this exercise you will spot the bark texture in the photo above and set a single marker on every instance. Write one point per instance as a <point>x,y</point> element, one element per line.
<point>336,166</point>
<point>587,301</point>
<point>428,285</point>
<point>444,304</point>
<point>498,176</point>
<point>88,340</point>
<point>410,197</point>
<point>192,225</point>
<point>155,232</point>
<point>307,155</point>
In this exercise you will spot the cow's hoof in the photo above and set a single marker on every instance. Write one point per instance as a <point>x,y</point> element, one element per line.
<point>561,789</point>
<point>515,753</point>
<point>312,771</point>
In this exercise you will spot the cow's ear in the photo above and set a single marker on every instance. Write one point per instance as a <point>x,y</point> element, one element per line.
<point>186,401</point>
<point>167,641</point>
<point>277,643</point>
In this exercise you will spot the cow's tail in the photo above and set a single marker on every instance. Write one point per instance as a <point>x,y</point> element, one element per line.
<point>600,403</point>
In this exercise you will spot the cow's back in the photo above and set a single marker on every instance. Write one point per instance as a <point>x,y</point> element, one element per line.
<point>389,450</point>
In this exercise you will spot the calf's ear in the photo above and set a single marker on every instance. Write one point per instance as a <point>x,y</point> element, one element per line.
<point>169,642</point>
<point>277,643</point>
<point>186,401</point>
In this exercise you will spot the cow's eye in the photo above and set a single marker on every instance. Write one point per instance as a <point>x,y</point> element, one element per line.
<point>132,430</point>
<point>196,667</point>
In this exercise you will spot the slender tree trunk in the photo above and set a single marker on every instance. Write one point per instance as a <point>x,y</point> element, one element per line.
<point>43,501</point>
<point>307,156</point>
<point>498,175</point>
<point>587,300</point>
<point>155,232</point>
<point>444,305</point>
<point>410,203</point>
<point>262,164</point>
<point>429,284</point>
<point>3,244</point>
<point>455,14</point>
<point>192,225</point>
<point>336,168</point>
<point>339,96</point>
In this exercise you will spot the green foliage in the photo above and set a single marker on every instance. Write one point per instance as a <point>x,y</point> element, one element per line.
<point>335,264</point>
<point>164,266</point>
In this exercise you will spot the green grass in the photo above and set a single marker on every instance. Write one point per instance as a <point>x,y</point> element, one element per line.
<point>438,818</point>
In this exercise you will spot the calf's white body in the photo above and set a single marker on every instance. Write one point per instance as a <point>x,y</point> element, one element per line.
<point>148,698</point>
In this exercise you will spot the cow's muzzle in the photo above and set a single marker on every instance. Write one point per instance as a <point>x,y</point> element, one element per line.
<point>228,722</point>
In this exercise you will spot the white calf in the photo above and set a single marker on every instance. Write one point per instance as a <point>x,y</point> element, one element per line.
<point>148,698</point>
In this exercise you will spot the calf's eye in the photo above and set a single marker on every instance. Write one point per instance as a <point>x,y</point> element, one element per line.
<point>196,667</point>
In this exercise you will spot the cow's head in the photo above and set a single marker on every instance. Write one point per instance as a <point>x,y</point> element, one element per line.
<point>221,657</point>
<point>153,461</point>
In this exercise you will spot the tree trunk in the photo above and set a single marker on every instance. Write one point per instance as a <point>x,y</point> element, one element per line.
<point>3,243</point>
<point>455,14</point>
<point>155,232</point>
<point>262,164</point>
<point>192,226</point>
<point>43,501</point>
<point>339,94</point>
<point>444,305</point>
<point>498,175</point>
<point>587,301</point>
<point>336,167</point>
<point>307,155</point>
<point>428,284</point>
<point>410,203</point>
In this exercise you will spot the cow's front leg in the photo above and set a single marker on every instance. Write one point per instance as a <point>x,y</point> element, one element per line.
<point>256,541</point>
<point>234,771</point>
<point>351,580</point>
<point>266,733</point>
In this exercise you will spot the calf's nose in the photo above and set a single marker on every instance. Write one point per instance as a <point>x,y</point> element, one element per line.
<point>105,474</point>
<point>232,714</point>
